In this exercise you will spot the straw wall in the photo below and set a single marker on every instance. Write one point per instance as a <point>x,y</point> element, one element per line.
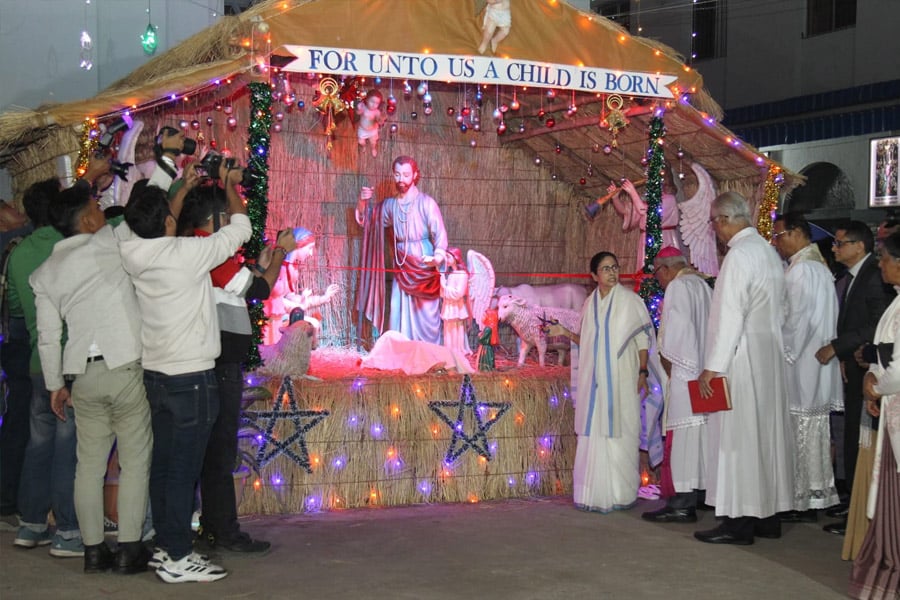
<point>381,444</point>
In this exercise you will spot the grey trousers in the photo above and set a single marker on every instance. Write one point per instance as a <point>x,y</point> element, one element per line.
<point>111,405</point>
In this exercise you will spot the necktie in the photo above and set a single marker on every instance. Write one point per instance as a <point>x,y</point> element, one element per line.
<point>848,279</point>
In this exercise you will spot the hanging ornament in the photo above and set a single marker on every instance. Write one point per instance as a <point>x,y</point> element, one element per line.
<point>87,51</point>
<point>463,128</point>
<point>301,105</point>
<point>473,142</point>
<point>476,126</point>
<point>497,114</point>
<point>427,109</point>
<point>422,89</point>
<point>209,121</point>
<point>148,40</point>
<point>329,104</point>
<point>465,111</point>
<point>558,149</point>
<point>522,127</point>
<point>590,170</point>
<point>501,128</point>
<point>551,93</point>
<point>228,109</point>
<point>232,122</point>
<point>218,107</point>
<point>407,90</point>
<point>414,115</point>
<point>393,128</point>
<point>514,105</point>
<point>582,181</point>
<point>538,161</point>
<point>426,98</point>
<point>550,122</point>
<point>607,149</point>
<point>450,111</point>
<point>616,119</point>
<point>279,116</point>
<point>595,148</point>
<point>183,124</point>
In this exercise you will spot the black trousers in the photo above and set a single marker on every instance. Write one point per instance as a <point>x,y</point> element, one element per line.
<point>219,510</point>
<point>15,431</point>
<point>853,406</point>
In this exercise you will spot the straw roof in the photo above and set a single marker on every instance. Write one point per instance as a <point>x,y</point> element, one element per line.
<point>543,30</point>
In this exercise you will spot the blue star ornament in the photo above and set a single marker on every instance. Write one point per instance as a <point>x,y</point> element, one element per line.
<point>265,422</point>
<point>469,415</point>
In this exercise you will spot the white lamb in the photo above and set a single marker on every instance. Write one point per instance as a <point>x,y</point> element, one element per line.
<point>526,320</point>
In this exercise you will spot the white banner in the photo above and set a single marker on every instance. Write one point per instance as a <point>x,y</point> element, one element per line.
<point>477,69</point>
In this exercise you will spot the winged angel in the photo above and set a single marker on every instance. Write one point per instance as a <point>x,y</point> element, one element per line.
<point>466,290</point>
<point>696,230</point>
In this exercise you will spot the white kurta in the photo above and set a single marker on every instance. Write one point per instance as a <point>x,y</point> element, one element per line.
<point>751,447</point>
<point>682,337</point>
<point>607,405</point>
<point>888,331</point>
<point>814,390</point>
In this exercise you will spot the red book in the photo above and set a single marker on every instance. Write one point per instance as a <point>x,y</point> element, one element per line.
<point>720,399</point>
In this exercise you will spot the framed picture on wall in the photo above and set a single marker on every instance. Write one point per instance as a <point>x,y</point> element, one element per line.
<point>884,176</point>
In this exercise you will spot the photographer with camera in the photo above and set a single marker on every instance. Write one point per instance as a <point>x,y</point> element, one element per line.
<point>170,144</point>
<point>234,283</point>
<point>180,338</point>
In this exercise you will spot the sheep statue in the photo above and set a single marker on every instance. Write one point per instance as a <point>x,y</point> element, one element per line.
<point>527,321</point>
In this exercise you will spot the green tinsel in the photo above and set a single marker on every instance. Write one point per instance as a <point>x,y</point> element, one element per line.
<point>650,290</point>
<point>258,198</point>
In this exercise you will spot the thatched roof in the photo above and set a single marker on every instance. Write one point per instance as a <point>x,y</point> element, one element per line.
<point>543,30</point>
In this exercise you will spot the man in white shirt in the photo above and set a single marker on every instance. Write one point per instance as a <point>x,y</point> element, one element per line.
<point>83,287</point>
<point>180,338</point>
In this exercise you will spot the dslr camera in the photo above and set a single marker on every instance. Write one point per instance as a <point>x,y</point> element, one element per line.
<point>209,166</point>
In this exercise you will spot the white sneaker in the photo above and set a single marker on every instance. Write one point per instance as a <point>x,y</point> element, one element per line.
<point>192,567</point>
<point>159,557</point>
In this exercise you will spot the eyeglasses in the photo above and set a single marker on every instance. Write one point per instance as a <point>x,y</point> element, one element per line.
<point>610,268</point>
<point>778,234</point>
<point>842,243</point>
<point>718,218</point>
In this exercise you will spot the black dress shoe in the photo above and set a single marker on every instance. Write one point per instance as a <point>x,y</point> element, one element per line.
<point>769,528</point>
<point>798,516</point>
<point>839,528</point>
<point>667,514</point>
<point>98,558</point>
<point>838,512</point>
<point>131,558</point>
<point>720,536</point>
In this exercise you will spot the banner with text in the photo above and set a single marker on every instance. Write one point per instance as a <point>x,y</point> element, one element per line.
<point>477,69</point>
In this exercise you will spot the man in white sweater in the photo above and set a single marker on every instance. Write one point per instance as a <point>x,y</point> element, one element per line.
<point>180,339</point>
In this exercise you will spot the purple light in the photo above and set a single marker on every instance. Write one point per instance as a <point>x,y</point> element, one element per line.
<point>565,392</point>
<point>276,479</point>
<point>261,150</point>
<point>482,409</point>
<point>424,487</point>
<point>511,481</point>
<point>547,442</point>
<point>352,421</point>
<point>554,401</point>
<point>710,121</point>
<point>459,427</point>
<point>339,462</point>
<point>216,81</point>
<point>531,478</point>
<point>173,97</point>
<point>259,439</point>
<point>312,503</point>
<point>358,384</point>
<point>376,430</point>
<point>493,447</point>
<point>658,112</point>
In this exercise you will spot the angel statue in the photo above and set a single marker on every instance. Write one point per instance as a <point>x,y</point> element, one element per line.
<point>466,290</point>
<point>634,214</point>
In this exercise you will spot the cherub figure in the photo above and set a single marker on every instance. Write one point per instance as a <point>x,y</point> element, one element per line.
<point>454,309</point>
<point>370,120</point>
<point>286,294</point>
<point>496,25</point>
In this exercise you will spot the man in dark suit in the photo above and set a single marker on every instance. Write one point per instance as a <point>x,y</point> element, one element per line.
<point>863,297</point>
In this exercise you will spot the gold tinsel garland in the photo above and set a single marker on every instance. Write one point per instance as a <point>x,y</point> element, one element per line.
<point>86,146</point>
<point>769,202</point>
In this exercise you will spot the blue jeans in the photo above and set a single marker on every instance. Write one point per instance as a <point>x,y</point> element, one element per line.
<point>48,474</point>
<point>183,409</point>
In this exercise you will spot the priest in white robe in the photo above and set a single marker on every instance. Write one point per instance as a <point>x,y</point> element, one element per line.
<point>681,341</point>
<point>751,451</point>
<point>814,389</point>
<point>612,375</point>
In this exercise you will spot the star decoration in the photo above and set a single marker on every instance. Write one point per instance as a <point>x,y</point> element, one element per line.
<point>468,409</point>
<point>303,421</point>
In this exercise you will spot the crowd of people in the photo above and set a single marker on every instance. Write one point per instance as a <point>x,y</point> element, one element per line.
<point>795,348</point>
<point>135,328</point>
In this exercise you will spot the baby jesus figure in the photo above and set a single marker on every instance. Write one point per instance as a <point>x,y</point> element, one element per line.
<point>370,119</point>
<point>496,25</point>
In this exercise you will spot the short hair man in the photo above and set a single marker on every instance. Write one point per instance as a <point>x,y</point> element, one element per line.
<point>751,467</point>
<point>83,287</point>
<point>863,296</point>
<point>814,389</point>
<point>180,339</point>
<point>681,341</point>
